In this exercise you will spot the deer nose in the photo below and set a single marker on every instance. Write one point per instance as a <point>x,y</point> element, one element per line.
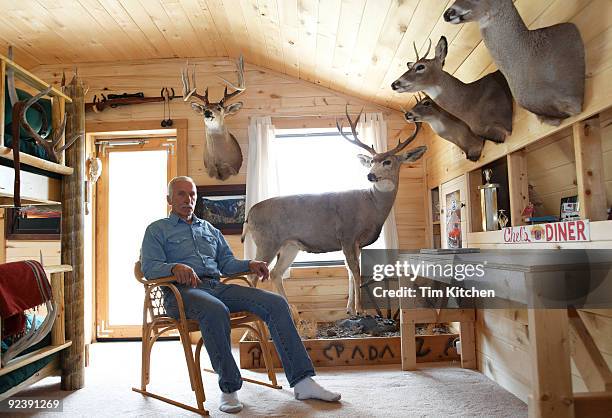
<point>372,177</point>
<point>207,113</point>
<point>395,85</point>
<point>408,116</point>
<point>449,14</point>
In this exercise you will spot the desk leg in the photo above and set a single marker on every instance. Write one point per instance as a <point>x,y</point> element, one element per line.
<point>551,390</point>
<point>468,345</point>
<point>408,341</point>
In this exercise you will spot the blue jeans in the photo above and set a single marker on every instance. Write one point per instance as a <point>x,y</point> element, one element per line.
<point>211,303</point>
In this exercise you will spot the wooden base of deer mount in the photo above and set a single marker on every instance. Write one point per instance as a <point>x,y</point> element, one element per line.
<point>357,351</point>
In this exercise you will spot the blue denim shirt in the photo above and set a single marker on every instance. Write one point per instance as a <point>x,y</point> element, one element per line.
<point>201,246</point>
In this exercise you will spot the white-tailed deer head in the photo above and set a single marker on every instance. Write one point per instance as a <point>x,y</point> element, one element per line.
<point>384,166</point>
<point>222,154</point>
<point>484,105</point>
<point>446,126</point>
<point>545,67</point>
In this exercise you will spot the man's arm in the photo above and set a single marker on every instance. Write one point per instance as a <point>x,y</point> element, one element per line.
<point>153,256</point>
<point>227,263</point>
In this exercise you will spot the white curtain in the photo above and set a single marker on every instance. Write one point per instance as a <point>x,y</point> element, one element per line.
<point>372,130</point>
<point>262,173</point>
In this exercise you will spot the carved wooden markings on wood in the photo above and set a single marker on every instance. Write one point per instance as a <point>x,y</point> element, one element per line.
<point>358,351</point>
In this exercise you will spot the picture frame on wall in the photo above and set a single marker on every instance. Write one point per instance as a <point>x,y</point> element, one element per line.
<point>41,222</point>
<point>223,206</point>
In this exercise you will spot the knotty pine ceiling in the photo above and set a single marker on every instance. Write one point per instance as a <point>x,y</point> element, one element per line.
<point>357,47</point>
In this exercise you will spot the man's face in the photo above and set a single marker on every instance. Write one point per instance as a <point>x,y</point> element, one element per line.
<point>183,199</point>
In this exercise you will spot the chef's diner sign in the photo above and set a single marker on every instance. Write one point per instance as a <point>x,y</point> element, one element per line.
<point>570,231</point>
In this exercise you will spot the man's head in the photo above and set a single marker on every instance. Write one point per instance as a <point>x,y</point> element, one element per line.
<point>182,196</point>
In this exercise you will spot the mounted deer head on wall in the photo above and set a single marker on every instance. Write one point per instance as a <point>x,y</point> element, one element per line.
<point>446,126</point>
<point>545,68</point>
<point>484,105</point>
<point>222,154</point>
<point>319,223</point>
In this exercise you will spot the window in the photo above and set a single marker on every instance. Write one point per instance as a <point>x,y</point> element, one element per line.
<point>317,161</point>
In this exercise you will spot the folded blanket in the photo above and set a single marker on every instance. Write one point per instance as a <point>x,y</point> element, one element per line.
<point>23,285</point>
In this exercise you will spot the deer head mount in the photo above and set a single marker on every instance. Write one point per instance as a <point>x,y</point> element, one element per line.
<point>545,68</point>
<point>484,105</point>
<point>446,126</point>
<point>222,154</point>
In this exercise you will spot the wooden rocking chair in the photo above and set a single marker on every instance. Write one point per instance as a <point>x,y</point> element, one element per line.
<point>156,321</point>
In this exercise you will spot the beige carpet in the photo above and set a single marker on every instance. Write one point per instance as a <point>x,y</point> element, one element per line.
<point>387,391</point>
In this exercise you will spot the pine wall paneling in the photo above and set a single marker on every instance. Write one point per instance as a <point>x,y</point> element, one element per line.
<point>290,102</point>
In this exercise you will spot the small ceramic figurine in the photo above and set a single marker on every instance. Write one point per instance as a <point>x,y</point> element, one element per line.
<point>529,211</point>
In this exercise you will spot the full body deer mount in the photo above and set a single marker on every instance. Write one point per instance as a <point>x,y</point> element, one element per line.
<point>222,154</point>
<point>484,105</point>
<point>319,223</point>
<point>545,68</point>
<point>447,127</point>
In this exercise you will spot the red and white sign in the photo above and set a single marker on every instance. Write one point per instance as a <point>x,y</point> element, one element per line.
<point>570,231</point>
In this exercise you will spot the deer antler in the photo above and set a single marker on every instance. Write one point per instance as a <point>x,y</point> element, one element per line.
<point>51,146</point>
<point>187,90</point>
<point>416,51</point>
<point>237,88</point>
<point>353,126</point>
<point>400,144</point>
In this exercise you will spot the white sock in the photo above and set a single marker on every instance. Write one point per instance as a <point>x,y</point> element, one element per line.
<point>307,388</point>
<point>230,403</point>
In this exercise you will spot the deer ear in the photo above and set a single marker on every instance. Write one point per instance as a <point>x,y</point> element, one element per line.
<point>413,154</point>
<point>441,50</point>
<point>233,108</point>
<point>365,160</point>
<point>197,107</point>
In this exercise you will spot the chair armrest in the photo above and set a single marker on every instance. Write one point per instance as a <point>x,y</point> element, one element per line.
<point>168,282</point>
<point>238,277</point>
<point>160,280</point>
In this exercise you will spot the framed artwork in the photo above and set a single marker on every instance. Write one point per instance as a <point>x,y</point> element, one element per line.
<point>223,206</point>
<point>34,223</point>
<point>569,209</point>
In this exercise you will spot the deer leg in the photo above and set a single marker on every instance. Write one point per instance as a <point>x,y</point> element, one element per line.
<point>351,253</point>
<point>286,255</point>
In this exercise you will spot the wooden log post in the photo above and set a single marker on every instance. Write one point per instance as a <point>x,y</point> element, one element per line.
<point>589,170</point>
<point>73,214</point>
<point>518,185</point>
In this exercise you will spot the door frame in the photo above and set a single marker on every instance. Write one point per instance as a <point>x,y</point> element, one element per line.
<point>96,129</point>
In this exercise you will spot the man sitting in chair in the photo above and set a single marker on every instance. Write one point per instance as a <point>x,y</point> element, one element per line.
<point>196,253</point>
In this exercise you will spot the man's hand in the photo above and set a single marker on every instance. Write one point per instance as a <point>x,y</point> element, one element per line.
<point>185,275</point>
<point>260,268</point>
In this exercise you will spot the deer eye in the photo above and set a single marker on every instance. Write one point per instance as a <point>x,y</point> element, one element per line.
<point>427,103</point>
<point>387,162</point>
<point>419,68</point>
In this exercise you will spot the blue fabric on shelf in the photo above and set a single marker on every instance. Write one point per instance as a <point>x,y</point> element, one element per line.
<point>15,377</point>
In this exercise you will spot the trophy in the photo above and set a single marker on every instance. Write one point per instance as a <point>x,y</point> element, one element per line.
<point>502,219</point>
<point>488,202</point>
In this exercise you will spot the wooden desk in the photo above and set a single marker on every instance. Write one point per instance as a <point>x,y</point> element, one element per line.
<point>518,277</point>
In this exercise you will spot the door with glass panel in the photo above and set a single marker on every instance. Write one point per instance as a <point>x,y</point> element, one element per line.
<point>454,219</point>
<point>131,193</point>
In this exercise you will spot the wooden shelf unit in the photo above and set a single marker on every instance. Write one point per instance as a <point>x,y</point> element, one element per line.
<point>58,336</point>
<point>59,101</point>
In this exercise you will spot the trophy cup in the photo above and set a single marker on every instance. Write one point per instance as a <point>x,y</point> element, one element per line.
<point>488,202</point>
